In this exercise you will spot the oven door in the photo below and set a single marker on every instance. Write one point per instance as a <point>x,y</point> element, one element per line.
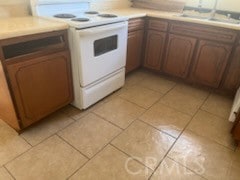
<point>102,51</point>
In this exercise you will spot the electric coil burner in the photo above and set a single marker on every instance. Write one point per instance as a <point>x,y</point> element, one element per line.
<point>91,12</point>
<point>80,19</point>
<point>65,16</point>
<point>107,15</point>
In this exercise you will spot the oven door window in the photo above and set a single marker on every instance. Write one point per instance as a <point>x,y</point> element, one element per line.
<point>105,45</point>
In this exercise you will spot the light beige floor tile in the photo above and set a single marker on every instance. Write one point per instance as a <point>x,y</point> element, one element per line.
<point>182,102</point>
<point>135,77</point>
<point>157,83</point>
<point>141,96</point>
<point>218,105</point>
<point>212,127</point>
<point>11,144</point>
<point>90,134</point>
<point>234,170</point>
<point>192,91</point>
<point>112,164</point>
<point>77,114</point>
<point>166,119</point>
<point>52,159</point>
<point>203,156</point>
<point>4,175</point>
<point>170,170</point>
<point>46,128</point>
<point>120,112</point>
<point>74,113</point>
<point>144,143</point>
<point>112,96</point>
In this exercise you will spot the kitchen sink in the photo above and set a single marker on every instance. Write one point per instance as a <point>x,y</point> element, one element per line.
<point>230,21</point>
<point>225,20</point>
<point>192,16</point>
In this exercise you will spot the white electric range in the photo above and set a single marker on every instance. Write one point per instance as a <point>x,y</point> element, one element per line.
<point>98,45</point>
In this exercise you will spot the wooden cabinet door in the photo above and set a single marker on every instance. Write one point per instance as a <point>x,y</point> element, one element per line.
<point>232,80</point>
<point>179,55</point>
<point>40,85</point>
<point>134,50</point>
<point>154,49</point>
<point>210,63</point>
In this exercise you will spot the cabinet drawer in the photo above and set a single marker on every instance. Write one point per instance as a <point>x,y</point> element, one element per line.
<point>136,24</point>
<point>158,25</point>
<point>26,46</point>
<point>200,31</point>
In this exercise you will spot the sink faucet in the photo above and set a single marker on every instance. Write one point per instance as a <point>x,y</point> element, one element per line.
<point>214,10</point>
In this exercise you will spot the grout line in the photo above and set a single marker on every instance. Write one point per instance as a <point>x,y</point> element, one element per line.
<point>96,154</point>
<point>214,114</point>
<point>166,155</point>
<point>187,168</point>
<point>156,128</point>
<point>8,172</point>
<point>52,134</point>
<point>131,156</point>
<point>72,146</point>
<point>140,114</point>
<point>191,115</point>
<point>21,136</point>
<point>26,151</point>
<point>133,103</point>
<point>103,118</point>
<point>123,131</point>
<point>212,140</point>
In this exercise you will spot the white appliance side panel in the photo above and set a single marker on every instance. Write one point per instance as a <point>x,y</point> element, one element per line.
<point>75,68</point>
<point>95,68</point>
<point>98,91</point>
<point>236,106</point>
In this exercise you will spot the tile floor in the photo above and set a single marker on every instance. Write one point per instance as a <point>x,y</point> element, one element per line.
<point>153,128</point>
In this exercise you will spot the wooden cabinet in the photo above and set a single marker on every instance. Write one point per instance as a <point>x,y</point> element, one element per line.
<point>40,85</point>
<point>210,63</point>
<point>135,44</point>
<point>155,45</point>
<point>198,53</point>
<point>179,55</point>
<point>37,77</point>
<point>232,80</point>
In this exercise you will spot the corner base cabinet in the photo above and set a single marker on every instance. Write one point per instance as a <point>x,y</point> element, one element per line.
<point>195,53</point>
<point>38,77</point>
<point>232,80</point>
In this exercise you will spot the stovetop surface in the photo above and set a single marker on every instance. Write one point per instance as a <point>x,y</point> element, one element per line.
<point>85,20</point>
<point>74,12</point>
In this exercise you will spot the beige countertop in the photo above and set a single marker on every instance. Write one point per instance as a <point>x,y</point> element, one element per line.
<point>136,13</point>
<point>20,26</point>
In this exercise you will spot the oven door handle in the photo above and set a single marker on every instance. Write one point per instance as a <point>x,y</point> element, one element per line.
<point>100,30</point>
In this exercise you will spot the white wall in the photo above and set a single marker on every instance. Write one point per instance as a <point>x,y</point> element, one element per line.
<point>10,8</point>
<point>109,4</point>
<point>21,7</point>
<point>231,5</point>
